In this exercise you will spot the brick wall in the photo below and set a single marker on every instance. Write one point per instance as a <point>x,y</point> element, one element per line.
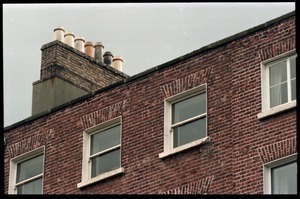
<point>249,133</point>
<point>231,163</point>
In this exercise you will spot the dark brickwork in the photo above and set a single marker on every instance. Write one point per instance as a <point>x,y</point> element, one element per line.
<point>79,69</point>
<point>232,163</point>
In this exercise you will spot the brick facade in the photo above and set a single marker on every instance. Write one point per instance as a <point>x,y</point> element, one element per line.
<point>231,163</point>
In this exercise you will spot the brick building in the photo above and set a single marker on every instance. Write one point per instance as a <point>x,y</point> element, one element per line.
<point>219,120</point>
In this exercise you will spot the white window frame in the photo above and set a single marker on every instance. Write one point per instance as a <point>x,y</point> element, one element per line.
<point>168,133</point>
<point>87,164</point>
<point>265,96</point>
<point>12,187</point>
<point>267,183</point>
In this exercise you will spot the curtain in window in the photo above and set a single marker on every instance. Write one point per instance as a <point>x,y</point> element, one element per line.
<point>278,84</point>
<point>284,179</point>
<point>293,77</point>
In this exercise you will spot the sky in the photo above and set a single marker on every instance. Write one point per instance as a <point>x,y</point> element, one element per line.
<point>145,35</point>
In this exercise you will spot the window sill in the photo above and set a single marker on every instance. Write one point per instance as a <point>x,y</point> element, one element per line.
<point>277,109</point>
<point>184,147</point>
<point>101,177</point>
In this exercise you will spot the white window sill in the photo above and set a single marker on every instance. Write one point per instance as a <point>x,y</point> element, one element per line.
<point>277,109</point>
<point>101,177</point>
<point>184,147</point>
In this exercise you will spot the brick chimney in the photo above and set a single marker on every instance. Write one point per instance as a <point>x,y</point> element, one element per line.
<point>67,74</point>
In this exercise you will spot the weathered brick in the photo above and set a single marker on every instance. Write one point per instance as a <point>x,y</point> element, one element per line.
<point>230,164</point>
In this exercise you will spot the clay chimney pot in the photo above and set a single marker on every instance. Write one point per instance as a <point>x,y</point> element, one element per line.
<point>59,33</point>
<point>89,48</point>
<point>79,43</point>
<point>69,38</point>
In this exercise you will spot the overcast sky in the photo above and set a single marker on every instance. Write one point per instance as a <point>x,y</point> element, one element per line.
<point>145,35</point>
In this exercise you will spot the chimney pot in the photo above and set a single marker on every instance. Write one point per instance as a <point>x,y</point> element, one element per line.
<point>79,43</point>
<point>107,58</point>
<point>99,51</point>
<point>69,38</point>
<point>89,48</point>
<point>118,62</point>
<point>59,33</point>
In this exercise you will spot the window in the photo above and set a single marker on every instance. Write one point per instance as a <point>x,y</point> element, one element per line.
<point>282,81</point>
<point>105,150</point>
<point>188,119</point>
<point>280,177</point>
<point>284,179</point>
<point>185,120</point>
<point>101,152</point>
<point>26,173</point>
<point>279,84</point>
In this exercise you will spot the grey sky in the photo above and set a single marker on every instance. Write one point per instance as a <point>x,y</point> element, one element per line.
<point>145,35</point>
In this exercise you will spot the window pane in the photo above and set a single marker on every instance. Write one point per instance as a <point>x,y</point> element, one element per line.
<point>105,139</point>
<point>284,179</point>
<point>30,168</point>
<point>278,95</point>
<point>188,108</point>
<point>189,132</point>
<point>293,67</point>
<point>33,187</point>
<point>293,84</point>
<point>106,162</point>
<point>278,73</point>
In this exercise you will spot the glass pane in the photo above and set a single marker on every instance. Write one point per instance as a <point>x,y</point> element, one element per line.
<point>188,108</point>
<point>284,179</point>
<point>278,95</point>
<point>33,187</point>
<point>105,139</point>
<point>293,67</point>
<point>189,132</point>
<point>278,73</point>
<point>106,162</point>
<point>30,168</point>
<point>293,84</point>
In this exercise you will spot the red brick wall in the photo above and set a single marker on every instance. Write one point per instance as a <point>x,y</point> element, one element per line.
<point>231,163</point>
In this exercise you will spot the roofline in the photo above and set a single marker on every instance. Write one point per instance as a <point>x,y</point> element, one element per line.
<point>154,69</point>
<point>213,45</point>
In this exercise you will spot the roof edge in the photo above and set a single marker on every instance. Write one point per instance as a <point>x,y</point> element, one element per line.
<point>212,46</point>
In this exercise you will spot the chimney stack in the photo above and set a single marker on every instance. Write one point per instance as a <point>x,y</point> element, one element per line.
<point>69,38</point>
<point>59,32</point>
<point>99,51</point>
<point>79,43</point>
<point>95,51</point>
<point>118,62</point>
<point>89,48</point>
<point>107,57</point>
